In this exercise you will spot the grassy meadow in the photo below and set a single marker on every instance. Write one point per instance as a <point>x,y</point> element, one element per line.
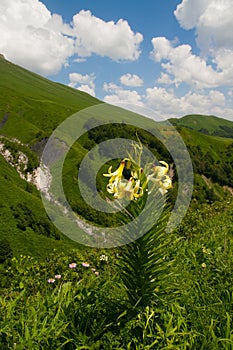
<point>180,297</point>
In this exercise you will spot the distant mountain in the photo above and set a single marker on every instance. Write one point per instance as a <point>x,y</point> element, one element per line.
<point>209,125</point>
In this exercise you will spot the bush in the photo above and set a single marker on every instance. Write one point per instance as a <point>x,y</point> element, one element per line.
<point>5,250</point>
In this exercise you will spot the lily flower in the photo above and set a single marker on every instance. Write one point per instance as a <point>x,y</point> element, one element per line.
<point>125,189</point>
<point>130,189</point>
<point>133,183</point>
<point>138,190</point>
<point>115,177</point>
<point>160,178</point>
<point>159,171</point>
<point>165,183</point>
<point>117,174</point>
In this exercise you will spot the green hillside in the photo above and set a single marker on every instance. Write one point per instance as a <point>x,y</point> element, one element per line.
<point>24,222</point>
<point>212,160</point>
<point>31,106</point>
<point>209,125</point>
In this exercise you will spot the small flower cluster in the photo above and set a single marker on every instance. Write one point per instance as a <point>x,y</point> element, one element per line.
<point>84,264</point>
<point>206,250</point>
<point>73,266</point>
<point>103,257</point>
<point>52,280</point>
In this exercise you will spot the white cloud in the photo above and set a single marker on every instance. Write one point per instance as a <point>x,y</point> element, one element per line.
<point>32,37</point>
<point>163,103</point>
<point>114,40</point>
<point>80,60</point>
<point>87,88</point>
<point>121,96</point>
<point>212,20</point>
<point>188,12</point>
<point>83,82</point>
<point>165,79</point>
<point>186,67</point>
<point>110,87</point>
<point>36,39</point>
<point>169,105</point>
<point>82,79</point>
<point>131,80</point>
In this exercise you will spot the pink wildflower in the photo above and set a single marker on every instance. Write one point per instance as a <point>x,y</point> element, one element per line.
<point>84,264</point>
<point>57,276</point>
<point>72,266</point>
<point>51,280</point>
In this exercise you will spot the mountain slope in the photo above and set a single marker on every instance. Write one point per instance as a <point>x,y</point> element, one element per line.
<point>212,159</point>
<point>209,125</point>
<point>31,107</point>
<point>24,222</point>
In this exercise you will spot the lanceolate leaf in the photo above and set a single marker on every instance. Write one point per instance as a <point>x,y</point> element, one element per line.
<point>144,264</point>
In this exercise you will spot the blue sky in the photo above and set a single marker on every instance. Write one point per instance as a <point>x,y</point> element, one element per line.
<point>174,57</point>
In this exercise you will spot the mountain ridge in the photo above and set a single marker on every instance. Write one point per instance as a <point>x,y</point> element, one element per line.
<point>206,124</point>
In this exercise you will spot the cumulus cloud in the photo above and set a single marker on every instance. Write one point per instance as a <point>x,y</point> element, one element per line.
<point>114,40</point>
<point>163,103</point>
<point>131,80</point>
<point>87,88</point>
<point>169,105</point>
<point>83,79</point>
<point>83,82</point>
<point>121,96</point>
<point>165,79</point>
<point>36,39</point>
<point>32,37</point>
<point>110,87</point>
<point>181,64</point>
<point>212,22</point>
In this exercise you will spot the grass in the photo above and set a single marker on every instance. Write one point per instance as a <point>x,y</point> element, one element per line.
<point>85,310</point>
